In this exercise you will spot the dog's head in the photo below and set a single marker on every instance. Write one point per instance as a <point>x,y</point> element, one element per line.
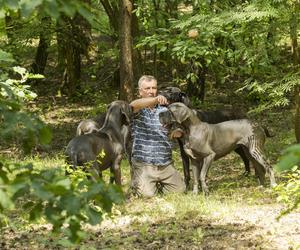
<point>177,113</point>
<point>180,112</point>
<point>174,94</point>
<point>174,117</point>
<point>121,108</point>
<point>167,119</point>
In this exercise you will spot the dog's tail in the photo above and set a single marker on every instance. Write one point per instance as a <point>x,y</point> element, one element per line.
<point>267,132</point>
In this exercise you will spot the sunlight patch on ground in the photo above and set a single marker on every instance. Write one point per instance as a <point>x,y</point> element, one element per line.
<point>65,115</point>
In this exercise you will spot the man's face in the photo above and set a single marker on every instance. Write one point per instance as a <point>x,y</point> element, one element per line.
<point>148,89</point>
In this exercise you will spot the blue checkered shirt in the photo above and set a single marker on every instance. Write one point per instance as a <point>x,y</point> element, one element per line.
<point>150,141</point>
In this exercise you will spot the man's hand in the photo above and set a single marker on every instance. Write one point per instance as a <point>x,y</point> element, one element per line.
<point>177,133</point>
<point>162,100</point>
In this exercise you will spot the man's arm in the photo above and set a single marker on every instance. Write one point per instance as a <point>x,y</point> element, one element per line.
<point>148,102</point>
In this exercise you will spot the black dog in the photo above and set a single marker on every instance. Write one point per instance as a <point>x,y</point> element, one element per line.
<point>104,148</point>
<point>174,94</point>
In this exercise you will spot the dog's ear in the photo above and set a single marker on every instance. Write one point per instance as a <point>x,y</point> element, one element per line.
<point>181,113</point>
<point>108,106</point>
<point>127,112</point>
<point>185,99</point>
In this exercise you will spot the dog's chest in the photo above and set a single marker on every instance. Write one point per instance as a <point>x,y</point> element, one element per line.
<point>193,150</point>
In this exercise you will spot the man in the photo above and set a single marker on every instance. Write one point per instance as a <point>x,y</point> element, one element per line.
<point>152,165</point>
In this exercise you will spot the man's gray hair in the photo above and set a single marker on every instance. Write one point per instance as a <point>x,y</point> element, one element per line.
<point>146,78</point>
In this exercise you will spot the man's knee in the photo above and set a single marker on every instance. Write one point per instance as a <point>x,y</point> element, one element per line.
<point>142,191</point>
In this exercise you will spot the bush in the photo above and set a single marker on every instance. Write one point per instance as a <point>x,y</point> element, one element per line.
<point>289,191</point>
<point>64,201</point>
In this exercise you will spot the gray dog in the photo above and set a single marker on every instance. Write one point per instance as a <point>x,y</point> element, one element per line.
<point>104,148</point>
<point>205,142</point>
<point>87,126</point>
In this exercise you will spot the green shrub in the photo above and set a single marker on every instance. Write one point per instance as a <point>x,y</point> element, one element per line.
<point>64,201</point>
<point>289,191</point>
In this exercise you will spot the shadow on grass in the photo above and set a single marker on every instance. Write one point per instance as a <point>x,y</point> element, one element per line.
<point>191,231</point>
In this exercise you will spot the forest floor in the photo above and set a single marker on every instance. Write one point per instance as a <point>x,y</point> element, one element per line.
<point>238,214</point>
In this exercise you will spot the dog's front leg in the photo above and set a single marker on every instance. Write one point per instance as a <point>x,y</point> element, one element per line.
<point>117,169</point>
<point>196,168</point>
<point>95,174</point>
<point>186,165</point>
<point>206,164</point>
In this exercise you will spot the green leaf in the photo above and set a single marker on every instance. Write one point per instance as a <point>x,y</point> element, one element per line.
<point>45,135</point>
<point>19,189</point>
<point>36,212</point>
<point>71,203</point>
<point>94,216</point>
<point>28,6</point>
<point>52,9</point>
<point>5,201</point>
<point>2,13</point>
<point>5,56</point>
<point>290,158</point>
<point>12,4</point>
<point>68,8</point>
<point>35,76</point>
<point>74,227</point>
<point>40,191</point>
<point>66,183</point>
<point>20,70</point>
<point>3,175</point>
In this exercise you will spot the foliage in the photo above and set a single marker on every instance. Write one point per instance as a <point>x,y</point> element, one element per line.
<point>18,124</point>
<point>276,93</point>
<point>65,201</point>
<point>235,41</point>
<point>290,158</point>
<point>289,191</point>
<point>53,8</point>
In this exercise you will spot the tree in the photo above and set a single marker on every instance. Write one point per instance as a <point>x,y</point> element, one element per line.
<point>125,38</point>
<point>113,13</point>
<point>70,53</point>
<point>39,64</point>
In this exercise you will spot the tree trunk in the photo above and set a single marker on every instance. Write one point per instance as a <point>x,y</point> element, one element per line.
<point>70,57</point>
<point>296,62</point>
<point>39,64</point>
<point>13,23</point>
<point>112,10</point>
<point>136,53</point>
<point>9,27</point>
<point>198,88</point>
<point>125,38</point>
<point>61,30</point>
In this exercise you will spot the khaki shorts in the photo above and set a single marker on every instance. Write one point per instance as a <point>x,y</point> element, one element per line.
<point>147,179</point>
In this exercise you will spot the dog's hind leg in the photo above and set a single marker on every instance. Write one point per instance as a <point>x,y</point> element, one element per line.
<point>245,158</point>
<point>260,161</point>
<point>117,169</point>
